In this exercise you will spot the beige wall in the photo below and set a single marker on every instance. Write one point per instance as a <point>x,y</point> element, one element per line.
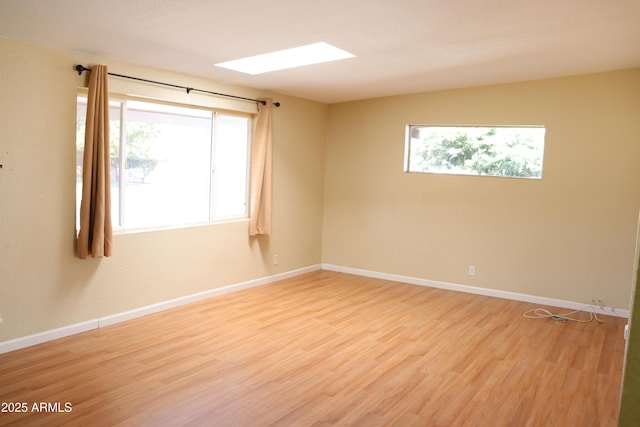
<point>569,236</point>
<point>43,286</point>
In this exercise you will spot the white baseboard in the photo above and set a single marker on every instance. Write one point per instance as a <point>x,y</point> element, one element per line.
<point>45,336</point>
<point>610,311</point>
<point>100,322</point>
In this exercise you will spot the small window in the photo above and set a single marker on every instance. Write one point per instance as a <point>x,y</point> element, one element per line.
<point>505,151</point>
<point>172,165</point>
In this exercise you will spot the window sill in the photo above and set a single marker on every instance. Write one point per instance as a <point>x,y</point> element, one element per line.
<point>118,232</point>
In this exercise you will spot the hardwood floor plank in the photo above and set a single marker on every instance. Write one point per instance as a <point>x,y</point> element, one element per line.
<point>323,349</point>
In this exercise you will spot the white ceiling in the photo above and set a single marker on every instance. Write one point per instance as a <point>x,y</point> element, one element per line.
<point>402,46</point>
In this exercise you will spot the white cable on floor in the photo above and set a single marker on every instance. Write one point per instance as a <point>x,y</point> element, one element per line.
<point>542,313</point>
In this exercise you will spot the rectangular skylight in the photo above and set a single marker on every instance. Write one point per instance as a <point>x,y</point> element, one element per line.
<point>288,58</point>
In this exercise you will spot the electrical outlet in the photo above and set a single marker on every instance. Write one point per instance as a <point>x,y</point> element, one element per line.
<point>276,259</point>
<point>599,305</point>
<point>472,270</point>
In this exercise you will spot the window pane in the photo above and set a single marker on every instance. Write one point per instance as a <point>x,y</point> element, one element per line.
<point>81,115</point>
<point>494,151</point>
<point>230,176</point>
<point>162,163</point>
<point>167,165</point>
<point>115,114</point>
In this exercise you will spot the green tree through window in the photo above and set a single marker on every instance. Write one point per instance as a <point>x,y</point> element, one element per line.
<point>493,151</point>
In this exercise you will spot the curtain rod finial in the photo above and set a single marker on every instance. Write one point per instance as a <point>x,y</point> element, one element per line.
<point>80,68</point>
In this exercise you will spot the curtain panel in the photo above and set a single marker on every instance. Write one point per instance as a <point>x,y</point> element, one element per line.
<point>96,234</point>
<point>261,174</point>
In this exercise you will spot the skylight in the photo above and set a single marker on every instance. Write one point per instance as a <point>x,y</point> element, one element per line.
<point>288,58</point>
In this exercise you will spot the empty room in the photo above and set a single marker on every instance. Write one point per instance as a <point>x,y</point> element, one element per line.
<point>316,213</point>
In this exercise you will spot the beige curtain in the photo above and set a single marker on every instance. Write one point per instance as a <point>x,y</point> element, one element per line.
<point>260,220</point>
<point>95,236</point>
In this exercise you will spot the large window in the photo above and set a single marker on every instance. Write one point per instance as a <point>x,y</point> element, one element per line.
<point>172,165</point>
<point>506,151</point>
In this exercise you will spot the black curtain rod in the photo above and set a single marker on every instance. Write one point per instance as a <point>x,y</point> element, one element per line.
<point>81,68</point>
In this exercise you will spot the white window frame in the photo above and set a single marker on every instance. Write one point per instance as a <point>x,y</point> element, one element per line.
<point>213,182</point>
<point>508,155</point>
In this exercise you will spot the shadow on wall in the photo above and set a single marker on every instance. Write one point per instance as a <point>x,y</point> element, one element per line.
<point>72,281</point>
<point>263,242</point>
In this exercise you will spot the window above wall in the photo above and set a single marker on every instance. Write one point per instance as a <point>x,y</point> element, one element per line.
<point>172,165</point>
<point>504,151</point>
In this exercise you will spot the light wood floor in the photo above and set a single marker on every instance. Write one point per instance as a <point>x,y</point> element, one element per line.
<point>327,349</point>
